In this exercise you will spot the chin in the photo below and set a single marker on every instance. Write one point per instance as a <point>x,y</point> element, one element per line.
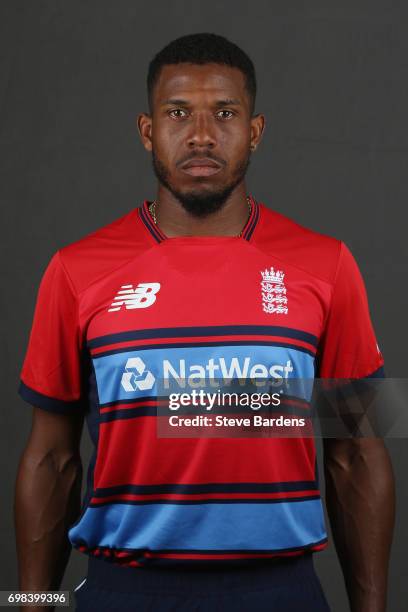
<point>200,193</point>
<point>203,202</point>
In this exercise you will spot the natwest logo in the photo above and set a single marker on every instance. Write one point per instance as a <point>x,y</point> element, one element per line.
<point>136,376</point>
<point>142,296</point>
<point>222,368</point>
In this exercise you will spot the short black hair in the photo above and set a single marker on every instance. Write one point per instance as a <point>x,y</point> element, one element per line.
<point>203,48</point>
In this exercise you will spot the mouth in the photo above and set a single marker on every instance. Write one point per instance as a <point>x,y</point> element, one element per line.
<point>201,167</point>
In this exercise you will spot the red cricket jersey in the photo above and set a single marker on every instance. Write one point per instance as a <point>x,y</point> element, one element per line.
<point>125,305</point>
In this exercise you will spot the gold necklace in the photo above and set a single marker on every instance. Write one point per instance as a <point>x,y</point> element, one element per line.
<point>152,211</point>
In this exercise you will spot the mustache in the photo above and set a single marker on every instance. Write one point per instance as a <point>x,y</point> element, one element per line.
<point>201,155</point>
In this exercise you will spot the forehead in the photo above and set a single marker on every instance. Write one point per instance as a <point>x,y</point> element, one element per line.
<point>195,80</point>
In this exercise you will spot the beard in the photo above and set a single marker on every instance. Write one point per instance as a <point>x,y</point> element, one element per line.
<point>201,202</point>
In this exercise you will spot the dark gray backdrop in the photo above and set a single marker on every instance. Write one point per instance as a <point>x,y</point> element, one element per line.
<point>333,84</point>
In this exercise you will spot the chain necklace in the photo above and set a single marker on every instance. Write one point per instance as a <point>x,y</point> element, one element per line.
<point>152,211</point>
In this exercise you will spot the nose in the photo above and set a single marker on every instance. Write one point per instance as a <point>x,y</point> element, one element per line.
<point>202,133</point>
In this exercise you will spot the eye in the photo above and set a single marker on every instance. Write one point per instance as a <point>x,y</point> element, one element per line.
<point>224,114</point>
<point>178,113</point>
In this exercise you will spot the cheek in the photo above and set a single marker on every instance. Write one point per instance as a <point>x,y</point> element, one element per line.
<point>234,139</point>
<point>237,148</point>
<point>166,144</point>
<point>161,147</point>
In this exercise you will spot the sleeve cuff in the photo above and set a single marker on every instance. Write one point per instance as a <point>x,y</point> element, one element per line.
<point>49,403</point>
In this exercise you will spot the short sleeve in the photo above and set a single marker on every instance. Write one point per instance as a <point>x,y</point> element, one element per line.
<point>348,348</point>
<point>51,372</point>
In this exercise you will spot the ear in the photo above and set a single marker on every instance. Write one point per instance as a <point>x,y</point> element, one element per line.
<point>144,125</point>
<point>257,130</point>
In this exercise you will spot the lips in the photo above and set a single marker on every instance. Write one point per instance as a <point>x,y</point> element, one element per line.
<point>203,166</point>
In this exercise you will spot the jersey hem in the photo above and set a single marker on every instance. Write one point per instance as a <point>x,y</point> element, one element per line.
<point>144,557</point>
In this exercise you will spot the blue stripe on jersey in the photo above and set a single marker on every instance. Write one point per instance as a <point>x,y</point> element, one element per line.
<point>163,411</point>
<point>111,368</point>
<point>206,330</point>
<point>209,500</point>
<point>149,347</point>
<point>209,487</point>
<point>209,527</point>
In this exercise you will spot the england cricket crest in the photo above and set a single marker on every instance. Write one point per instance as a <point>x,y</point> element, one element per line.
<point>274,299</point>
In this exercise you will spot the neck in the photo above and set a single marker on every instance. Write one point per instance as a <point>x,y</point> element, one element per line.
<point>174,220</point>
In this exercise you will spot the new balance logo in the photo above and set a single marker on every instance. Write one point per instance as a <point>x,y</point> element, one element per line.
<point>136,376</point>
<point>142,296</point>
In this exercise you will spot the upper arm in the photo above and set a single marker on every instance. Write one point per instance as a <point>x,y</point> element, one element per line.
<point>55,433</point>
<point>52,376</point>
<point>348,348</point>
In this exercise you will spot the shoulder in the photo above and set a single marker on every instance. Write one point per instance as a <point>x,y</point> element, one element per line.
<point>315,253</point>
<point>104,250</point>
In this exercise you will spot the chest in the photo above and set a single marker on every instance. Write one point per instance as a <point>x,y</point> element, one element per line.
<point>200,287</point>
<point>204,312</point>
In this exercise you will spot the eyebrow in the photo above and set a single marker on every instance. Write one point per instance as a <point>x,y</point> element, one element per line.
<point>180,102</point>
<point>228,102</point>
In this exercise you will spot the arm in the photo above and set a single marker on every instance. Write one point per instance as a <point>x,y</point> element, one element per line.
<point>47,500</point>
<point>360,501</point>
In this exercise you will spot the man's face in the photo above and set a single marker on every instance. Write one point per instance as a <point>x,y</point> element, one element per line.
<point>200,132</point>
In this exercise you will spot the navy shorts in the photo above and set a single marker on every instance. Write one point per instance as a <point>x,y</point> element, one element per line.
<point>284,585</point>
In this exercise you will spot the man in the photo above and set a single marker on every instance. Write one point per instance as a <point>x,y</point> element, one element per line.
<point>202,278</point>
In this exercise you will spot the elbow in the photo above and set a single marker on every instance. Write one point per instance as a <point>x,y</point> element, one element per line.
<point>360,465</point>
<point>59,462</point>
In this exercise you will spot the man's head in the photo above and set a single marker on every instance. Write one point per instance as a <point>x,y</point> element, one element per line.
<point>201,128</point>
